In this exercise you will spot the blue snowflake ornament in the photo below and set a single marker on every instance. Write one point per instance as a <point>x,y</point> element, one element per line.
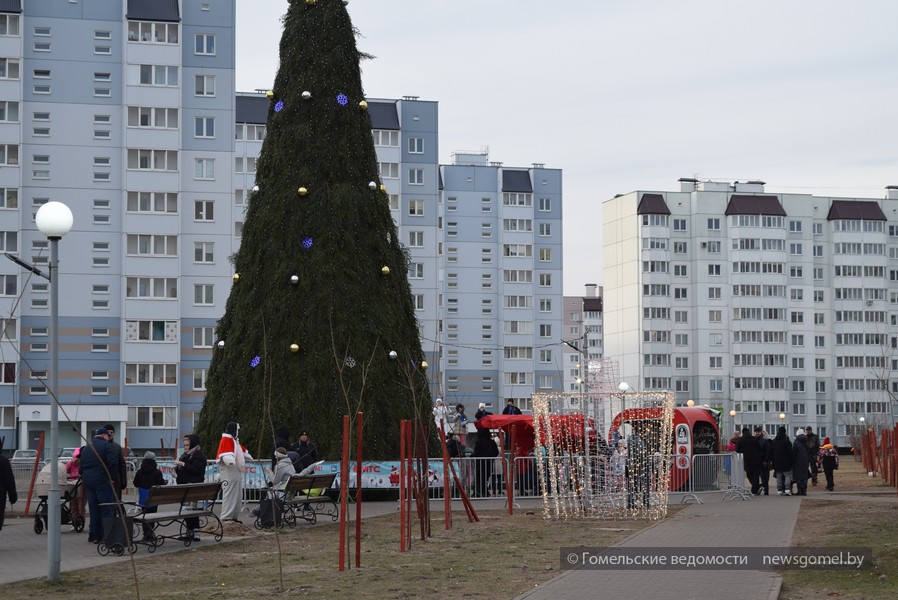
<point>279,106</point>
<point>255,361</point>
<point>307,243</point>
<point>342,99</point>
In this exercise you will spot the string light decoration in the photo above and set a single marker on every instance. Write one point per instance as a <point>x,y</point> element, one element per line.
<point>610,460</point>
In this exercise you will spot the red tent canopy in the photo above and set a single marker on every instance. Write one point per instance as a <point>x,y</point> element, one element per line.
<point>565,428</point>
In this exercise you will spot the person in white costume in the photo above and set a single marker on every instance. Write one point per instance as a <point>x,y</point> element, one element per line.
<point>231,458</point>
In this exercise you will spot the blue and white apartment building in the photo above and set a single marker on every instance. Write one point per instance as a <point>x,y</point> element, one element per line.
<point>126,111</point>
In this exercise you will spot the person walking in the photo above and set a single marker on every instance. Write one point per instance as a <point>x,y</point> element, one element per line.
<point>191,468</point>
<point>813,452</point>
<point>781,458</point>
<point>146,477</point>
<point>764,473</point>
<point>829,461</point>
<point>231,457</point>
<point>7,487</point>
<point>99,475</point>
<point>800,462</point>
<point>750,449</point>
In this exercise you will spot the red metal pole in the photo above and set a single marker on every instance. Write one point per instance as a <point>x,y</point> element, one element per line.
<point>358,489</point>
<point>344,491</point>
<point>402,424</point>
<point>34,470</point>
<point>447,500</point>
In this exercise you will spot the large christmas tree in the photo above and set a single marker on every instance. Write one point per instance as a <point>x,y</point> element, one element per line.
<point>320,321</point>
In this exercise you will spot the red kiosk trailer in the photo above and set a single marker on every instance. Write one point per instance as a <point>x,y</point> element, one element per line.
<point>696,431</point>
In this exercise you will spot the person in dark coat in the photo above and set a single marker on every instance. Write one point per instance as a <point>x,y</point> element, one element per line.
<point>510,408</point>
<point>481,412</point>
<point>813,452</point>
<point>752,457</point>
<point>781,456</point>
<point>7,487</point>
<point>99,475</point>
<point>829,461</point>
<point>281,440</point>
<point>452,446</point>
<point>485,450</point>
<point>764,473</point>
<point>191,468</point>
<point>146,477</point>
<point>307,451</point>
<point>800,462</point>
<point>122,465</point>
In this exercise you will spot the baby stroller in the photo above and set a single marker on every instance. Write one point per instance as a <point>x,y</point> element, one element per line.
<point>69,489</point>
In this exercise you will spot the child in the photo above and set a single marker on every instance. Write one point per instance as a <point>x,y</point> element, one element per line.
<point>73,474</point>
<point>146,477</point>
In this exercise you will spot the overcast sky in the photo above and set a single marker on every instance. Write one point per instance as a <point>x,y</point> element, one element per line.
<point>802,94</point>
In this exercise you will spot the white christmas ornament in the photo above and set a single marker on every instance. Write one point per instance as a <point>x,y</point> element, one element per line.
<point>294,279</point>
<point>255,188</point>
<point>393,354</point>
<point>372,185</point>
<point>221,344</point>
<point>306,95</point>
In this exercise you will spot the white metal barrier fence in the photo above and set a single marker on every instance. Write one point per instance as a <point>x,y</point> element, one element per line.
<point>716,473</point>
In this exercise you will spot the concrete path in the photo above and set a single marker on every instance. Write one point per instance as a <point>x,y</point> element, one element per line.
<point>765,521</point>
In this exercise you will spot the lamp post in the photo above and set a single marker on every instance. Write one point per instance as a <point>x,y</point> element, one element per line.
<point>54,220</point>
<point>733,414</point>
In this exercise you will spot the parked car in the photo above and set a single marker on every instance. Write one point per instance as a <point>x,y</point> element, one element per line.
<point>23,457</point>
<point>65,455</point>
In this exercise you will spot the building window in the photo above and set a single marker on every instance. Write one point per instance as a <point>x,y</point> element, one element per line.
<point>416,176</point>
<point>415,208</point>
<point>9,68</point>
<point>204,127</point>
<point>415,270</point>
<point>199,379</point>
<point>152,160</point>
<point>158,288</point>
<point>203,252</point>
<point>203,294</point>
<point>679,224</point>
<point>152,417</point>
<point>9,25</point>
<point>204,43</point>
<point>205,85</point>
<point>145,116</point>
<point>388,170</point>
<point>151,374</point>
<point>415,239</point>
<point>158,75</point>
<point>152,33</point>
<point>9,154</point>
<point>203,337</point>
<point>203,210</point>
<point>714,224</point>
<point>204,168</point>
<point>385,138</point>
<point>416,145</point>
<point>153,202</point>
<point>151,245</point>
<point>545,205</point>
<point>9,112</point>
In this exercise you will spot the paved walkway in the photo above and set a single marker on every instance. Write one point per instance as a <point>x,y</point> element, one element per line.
<point>765,521</point>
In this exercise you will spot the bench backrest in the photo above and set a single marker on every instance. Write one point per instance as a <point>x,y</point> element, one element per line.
<point>304,483</point>
<point>187,492</point>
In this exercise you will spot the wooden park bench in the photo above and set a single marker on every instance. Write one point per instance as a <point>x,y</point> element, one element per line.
<point>185,501</point>
<point>306,497</point>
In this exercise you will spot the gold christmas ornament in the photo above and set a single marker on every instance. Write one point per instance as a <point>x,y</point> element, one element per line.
<point>294,348</point>
<point>424,365</point>
<point>269,94</point>
<point>302,191</point>
<point>236,277</point>
<point>363,105</point>
<point>385,270</point>
<point>383,188</point>
<point>310,2</point>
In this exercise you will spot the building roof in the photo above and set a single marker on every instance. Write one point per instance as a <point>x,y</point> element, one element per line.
<point>383,115</point>
<point>153,10</point>
<point>744,204</point>
<point>516,181</point>
<point>592,304</point>
<point>652,204</point>
<point>866,210</point>
<point>252,109</point>
<point>11,6</point>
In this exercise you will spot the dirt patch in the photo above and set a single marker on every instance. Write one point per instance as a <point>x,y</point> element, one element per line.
<point>500,556</point>
<point>864,513</point>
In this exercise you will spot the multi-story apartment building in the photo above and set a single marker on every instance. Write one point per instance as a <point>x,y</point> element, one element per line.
<point>125,110</point>
<point>775,308</point>
<point>500,305</point>
<point>582,341</point>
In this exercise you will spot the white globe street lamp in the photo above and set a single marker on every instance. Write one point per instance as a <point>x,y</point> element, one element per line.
<point>54,220</point>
